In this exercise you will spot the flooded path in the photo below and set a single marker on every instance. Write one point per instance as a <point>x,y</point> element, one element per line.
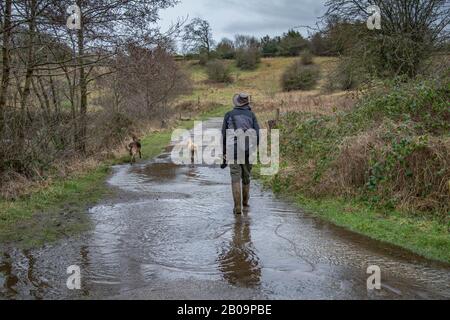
<point>169,233</point>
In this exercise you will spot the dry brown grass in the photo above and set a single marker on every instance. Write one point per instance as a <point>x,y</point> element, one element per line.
<point>264,86</point>
<point>351,169</point>
<point>15,185</point>
<point>313,102</point>
<point>418,183</point>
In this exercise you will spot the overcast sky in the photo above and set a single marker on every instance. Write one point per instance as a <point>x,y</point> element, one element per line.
<point>252,17</point>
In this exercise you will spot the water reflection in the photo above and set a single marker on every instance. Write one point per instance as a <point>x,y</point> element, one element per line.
<point>8,280</point>
<point>85,263</point>
<point>239,262</point>
<point>160,172</point>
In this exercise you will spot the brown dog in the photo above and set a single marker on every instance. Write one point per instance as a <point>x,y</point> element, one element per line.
<point>135,148</point>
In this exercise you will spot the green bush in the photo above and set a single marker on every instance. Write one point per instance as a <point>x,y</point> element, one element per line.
<point>225,49</point>
<point>218,71</point>
<point>248,59</point>
<point>204,57</point>
<point>300,77</point>
<point>347,76</point>
<point>392,150</point>
<point>421,103</point>
<point>307,58</point>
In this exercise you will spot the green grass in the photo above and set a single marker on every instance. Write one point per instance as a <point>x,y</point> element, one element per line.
<point>422,235</point>
<point>59,210</point>
<point>53,212</point>
<point>219,111</point>
<point>426,237</point>
<point>152,145</point>
<point>215,112</point>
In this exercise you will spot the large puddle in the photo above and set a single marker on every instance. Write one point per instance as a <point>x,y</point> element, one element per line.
<point>170,234</point>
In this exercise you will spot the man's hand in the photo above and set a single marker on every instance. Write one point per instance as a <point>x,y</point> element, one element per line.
<point>224,164</point>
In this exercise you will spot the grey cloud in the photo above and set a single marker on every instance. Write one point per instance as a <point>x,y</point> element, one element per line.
<point>253,17</point>
<point>249,27</point>
<point>291,10</point>
<point>265,16</point>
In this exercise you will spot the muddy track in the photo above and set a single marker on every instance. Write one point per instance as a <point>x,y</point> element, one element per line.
<point>169,233</point>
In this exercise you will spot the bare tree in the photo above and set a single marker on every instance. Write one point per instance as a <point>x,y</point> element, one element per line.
<point>105,26</point>
<point>411,29</point>
<point>198,36</point>
<point>426,19</point>
<point>48,75</point>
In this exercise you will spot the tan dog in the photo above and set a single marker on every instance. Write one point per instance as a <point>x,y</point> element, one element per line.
<point>193,148</point>
<point>135,149</point>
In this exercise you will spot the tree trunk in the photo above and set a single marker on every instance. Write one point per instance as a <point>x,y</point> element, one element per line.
<point>55,98</point>
<point>6,70</point>
<point>82,134</point>
<point>29,70</point>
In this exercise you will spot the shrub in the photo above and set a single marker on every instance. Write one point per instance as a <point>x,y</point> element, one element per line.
<point>387,56</point>
<point>321,45</point>
<point>248,59</point>
<point>292,44</point>
<point>114,130</point>
<point>225,49</point>
<point>218,71</point>
<point>307,58</point>
<point>204,57</point>
<point>300,77</point>
<point>347,76</point>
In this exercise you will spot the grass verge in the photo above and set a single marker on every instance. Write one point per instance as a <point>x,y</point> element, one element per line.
<point>53,212</point>
<point>152,145</point>
<point>425,237</point>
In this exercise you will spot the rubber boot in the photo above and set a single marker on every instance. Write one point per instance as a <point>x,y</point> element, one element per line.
<point>237,198</point>
<point>246,195</point>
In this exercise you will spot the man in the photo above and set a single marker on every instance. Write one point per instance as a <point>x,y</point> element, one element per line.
<point>242,118</point>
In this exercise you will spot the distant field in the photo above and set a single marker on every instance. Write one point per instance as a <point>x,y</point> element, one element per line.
<point>264,85</point>
<point>261,83</point>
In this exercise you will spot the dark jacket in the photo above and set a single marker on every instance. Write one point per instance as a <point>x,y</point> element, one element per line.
<point>245,119</point>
